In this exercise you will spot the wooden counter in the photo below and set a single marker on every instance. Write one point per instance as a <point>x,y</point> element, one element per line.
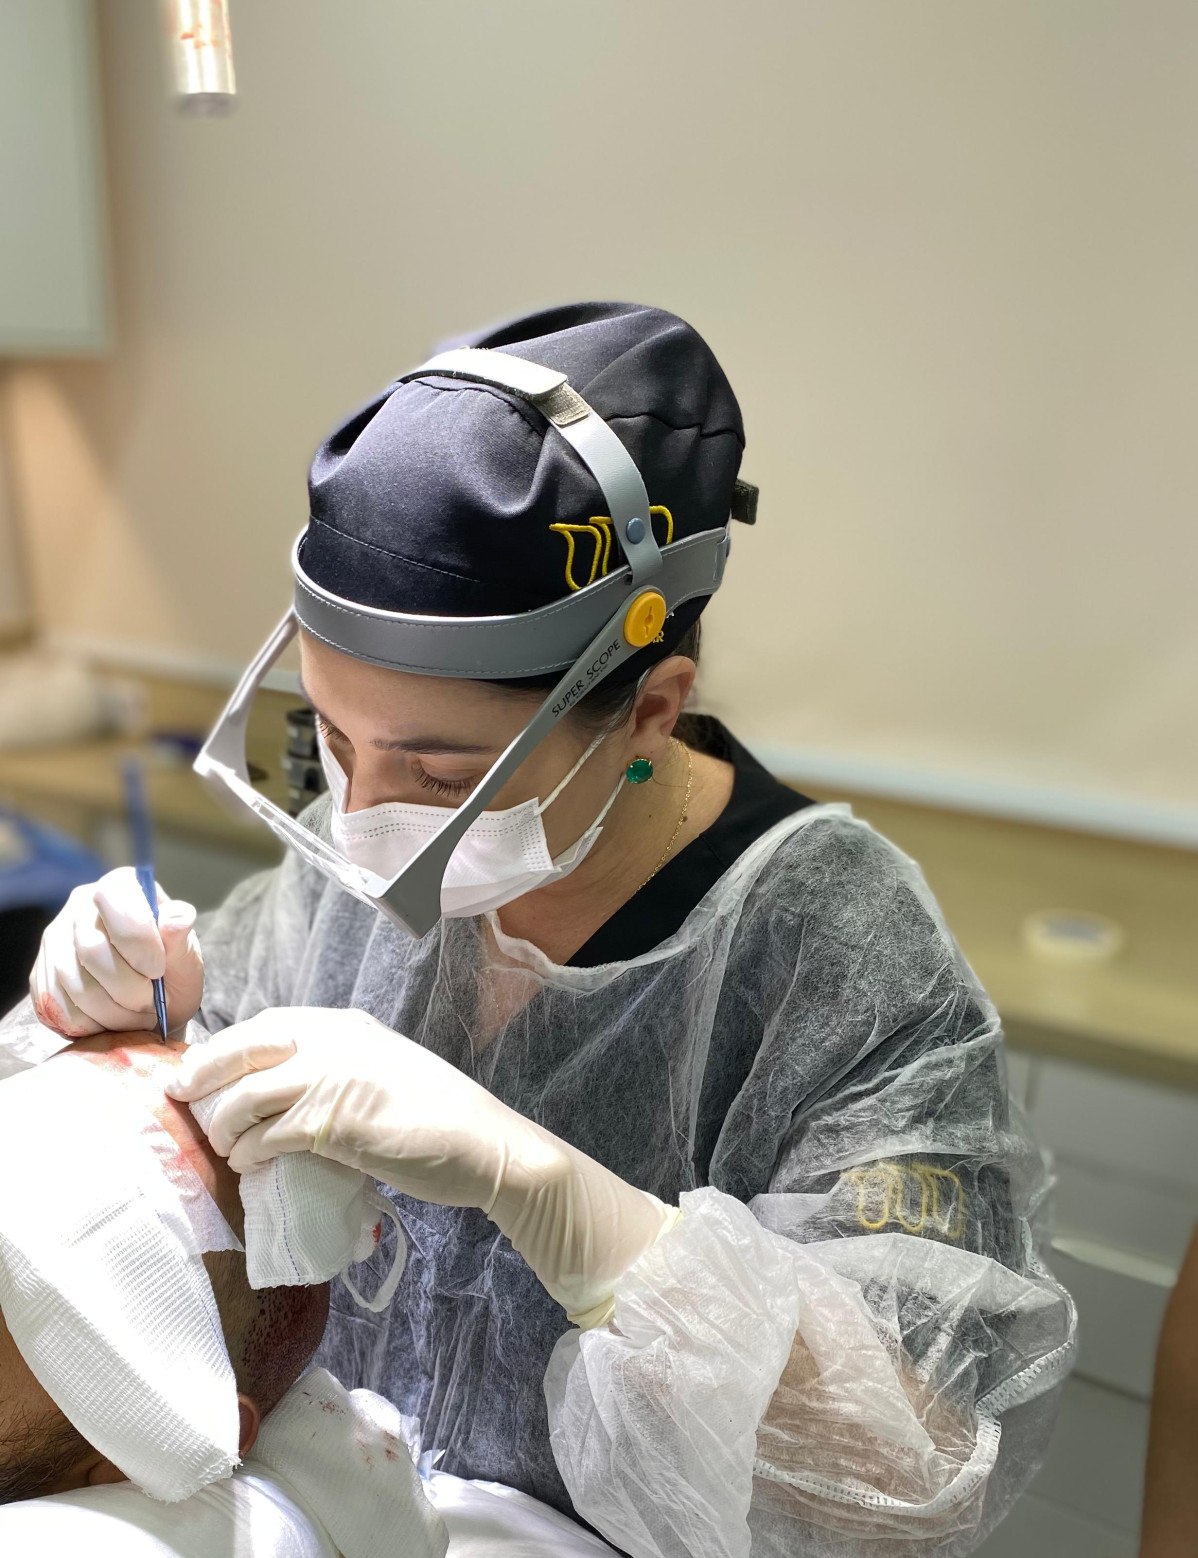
<point>1139,1012</point>
<point>68,786</point>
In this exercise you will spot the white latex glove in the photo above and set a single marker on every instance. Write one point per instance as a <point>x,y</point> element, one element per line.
<point>340,1084</point>
<point>98,956</point>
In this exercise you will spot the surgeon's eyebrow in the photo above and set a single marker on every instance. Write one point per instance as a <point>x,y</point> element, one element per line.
<point>429,745</point>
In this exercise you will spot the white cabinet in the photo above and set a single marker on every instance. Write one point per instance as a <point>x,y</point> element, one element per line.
<point>52,292</point>
<point>1119,1321</point>
<point>1037,1528</point>
<point>1095,1465</point>
<point>1139,1131</point>
<point>1126,1156</point>
<point>1085,1502</point>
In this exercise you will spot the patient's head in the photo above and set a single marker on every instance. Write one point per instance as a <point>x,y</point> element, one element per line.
<point>270,1334</point>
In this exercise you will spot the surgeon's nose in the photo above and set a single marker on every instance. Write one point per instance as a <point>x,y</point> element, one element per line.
<point>370,784</point>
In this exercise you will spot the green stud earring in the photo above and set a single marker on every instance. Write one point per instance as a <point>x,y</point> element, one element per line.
<point>640,769</point>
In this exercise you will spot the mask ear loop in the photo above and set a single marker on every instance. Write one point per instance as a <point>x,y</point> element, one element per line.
<point>385,1291</point>
<point>543,806</point>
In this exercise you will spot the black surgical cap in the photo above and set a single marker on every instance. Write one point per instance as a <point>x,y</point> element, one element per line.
<point>441,496</point>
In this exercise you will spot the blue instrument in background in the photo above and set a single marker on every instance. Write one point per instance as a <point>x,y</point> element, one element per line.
<point>139,827</point>
<point>39,867</point>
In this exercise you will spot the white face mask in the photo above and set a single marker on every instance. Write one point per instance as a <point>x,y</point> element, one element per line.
<point>502,855</point>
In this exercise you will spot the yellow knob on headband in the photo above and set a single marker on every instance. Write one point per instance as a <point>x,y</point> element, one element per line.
<point>645,618</point>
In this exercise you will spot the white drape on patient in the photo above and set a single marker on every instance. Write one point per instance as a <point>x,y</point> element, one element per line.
<point>103,1226</point>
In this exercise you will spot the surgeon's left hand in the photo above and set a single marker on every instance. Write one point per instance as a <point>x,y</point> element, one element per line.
<point>338,1083</point>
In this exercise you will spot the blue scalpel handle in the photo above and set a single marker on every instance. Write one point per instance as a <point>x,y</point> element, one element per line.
<point>139,825</point>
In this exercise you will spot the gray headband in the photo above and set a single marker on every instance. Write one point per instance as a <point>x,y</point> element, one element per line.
<point>500,648</point>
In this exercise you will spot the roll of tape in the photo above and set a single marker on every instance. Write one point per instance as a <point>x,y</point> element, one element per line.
<point>1072,936</point>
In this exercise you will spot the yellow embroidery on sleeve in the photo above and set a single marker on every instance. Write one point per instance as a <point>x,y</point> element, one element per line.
<point>890,1192</point>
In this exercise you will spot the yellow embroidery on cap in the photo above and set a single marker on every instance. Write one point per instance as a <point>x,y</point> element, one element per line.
<point>599,529</point>
<point>890,1193</point>
<point>599,532</point>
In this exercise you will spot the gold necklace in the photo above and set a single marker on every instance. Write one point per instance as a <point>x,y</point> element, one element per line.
<point>690,774</point>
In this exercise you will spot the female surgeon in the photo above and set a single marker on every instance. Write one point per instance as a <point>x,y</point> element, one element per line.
<point>721,1233</point>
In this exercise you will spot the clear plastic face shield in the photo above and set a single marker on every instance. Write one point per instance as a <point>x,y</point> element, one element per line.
<point>586,636</point>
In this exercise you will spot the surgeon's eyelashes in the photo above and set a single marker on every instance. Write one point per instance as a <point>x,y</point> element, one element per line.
<point>450,788</point>
<point>428,781</point>
<point>330,732</point>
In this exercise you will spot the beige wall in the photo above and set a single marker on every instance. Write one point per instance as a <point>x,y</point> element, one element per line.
<point>13,606</point>
<point>946,252</point>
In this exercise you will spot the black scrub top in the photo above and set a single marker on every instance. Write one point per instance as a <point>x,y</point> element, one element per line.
<point>658,909</point>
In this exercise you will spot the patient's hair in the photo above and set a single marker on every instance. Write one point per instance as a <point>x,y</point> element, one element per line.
<point>271,1333</point>
<point>34,1454</point>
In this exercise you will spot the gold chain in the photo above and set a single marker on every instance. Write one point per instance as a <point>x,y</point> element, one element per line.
<point>690,775</point>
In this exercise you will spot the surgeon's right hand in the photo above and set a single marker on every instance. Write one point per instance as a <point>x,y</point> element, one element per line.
<point>97,959</point>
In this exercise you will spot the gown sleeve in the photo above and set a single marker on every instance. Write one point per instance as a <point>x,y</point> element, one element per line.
<point>24,1041</point>
<point>244,969</point>
<point>255,944</point>
<point>859,1347</point>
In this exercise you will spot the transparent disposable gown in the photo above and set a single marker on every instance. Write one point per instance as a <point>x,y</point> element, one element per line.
<point>850,1343</point>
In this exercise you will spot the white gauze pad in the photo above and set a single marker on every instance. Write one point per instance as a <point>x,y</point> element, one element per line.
<point>308,1219</point>
<point>102,1227</point>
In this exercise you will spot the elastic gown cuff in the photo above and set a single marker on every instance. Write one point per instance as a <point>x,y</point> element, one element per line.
<point>653,1422</point>
<point>603,1312</point>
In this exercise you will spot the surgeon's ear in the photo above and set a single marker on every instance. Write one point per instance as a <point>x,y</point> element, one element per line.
<point>659,704</point>
<point>251,1421</point>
